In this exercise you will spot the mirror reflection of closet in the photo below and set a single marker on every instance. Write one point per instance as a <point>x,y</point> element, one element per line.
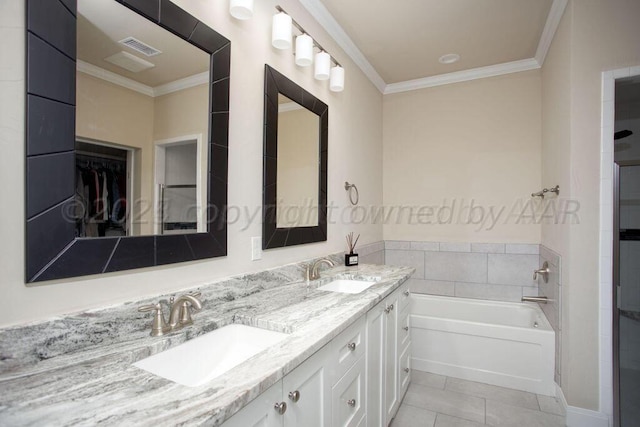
<point>103,189</point>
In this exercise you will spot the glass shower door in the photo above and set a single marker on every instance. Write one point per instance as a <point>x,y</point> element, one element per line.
<point>627,313</point>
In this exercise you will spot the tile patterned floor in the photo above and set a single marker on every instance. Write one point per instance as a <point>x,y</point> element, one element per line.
<point>439,401</point>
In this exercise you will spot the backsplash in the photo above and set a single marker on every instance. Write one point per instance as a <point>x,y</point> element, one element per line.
<point>494,271</point>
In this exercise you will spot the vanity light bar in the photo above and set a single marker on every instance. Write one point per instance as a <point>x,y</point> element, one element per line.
<point>303,31</point>
<point>281,39</point>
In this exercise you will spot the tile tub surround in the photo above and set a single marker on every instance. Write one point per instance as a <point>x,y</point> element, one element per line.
<point>77,369</point>
<point>494,271</point>
<point>553,291</point>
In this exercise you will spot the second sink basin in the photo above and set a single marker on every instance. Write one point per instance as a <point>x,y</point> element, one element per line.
<point>347,286</point>
<point>202,359</point>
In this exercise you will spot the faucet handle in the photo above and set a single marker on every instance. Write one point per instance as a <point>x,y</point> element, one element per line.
<point>159,326</point>
<point>185,312</point>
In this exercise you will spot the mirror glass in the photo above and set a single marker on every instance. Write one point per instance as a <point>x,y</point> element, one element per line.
<point>142,108</point>
<point>298,170</point>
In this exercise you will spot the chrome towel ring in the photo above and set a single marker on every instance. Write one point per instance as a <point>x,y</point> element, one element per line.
<point>349,187</point>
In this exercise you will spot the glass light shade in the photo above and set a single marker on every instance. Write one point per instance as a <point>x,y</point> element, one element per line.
<point>241,9</point>
<point>304,50</point>
<point>281,31</point>
<point>336,84</point>
<point>323,66</point>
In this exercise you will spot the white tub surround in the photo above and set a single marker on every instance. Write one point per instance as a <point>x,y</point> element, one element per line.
<point>493,271</point>
<point>77,370</point>
<point>505,344</point>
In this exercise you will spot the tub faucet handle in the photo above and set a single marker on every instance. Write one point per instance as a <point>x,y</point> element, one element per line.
<point>544,271</point>
<point>540,299</point>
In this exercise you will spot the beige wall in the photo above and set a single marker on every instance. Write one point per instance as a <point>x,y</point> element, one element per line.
<point>475,144</point>
<point>355,154</point>
<point>594,36</point>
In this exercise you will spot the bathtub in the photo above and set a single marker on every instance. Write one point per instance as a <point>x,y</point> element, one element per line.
<point>500,343</point>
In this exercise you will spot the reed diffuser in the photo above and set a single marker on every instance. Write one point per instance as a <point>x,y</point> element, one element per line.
<point>351,258</point>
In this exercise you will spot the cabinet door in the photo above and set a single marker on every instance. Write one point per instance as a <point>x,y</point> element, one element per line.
<point>404,297</point>
<point>261,411</point>
<point>348,397</point>
<point>391,383</point>
<point>307,392</point>
<point>375,365</point>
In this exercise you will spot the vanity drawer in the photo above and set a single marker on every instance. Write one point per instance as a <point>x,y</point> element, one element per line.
<point>346,348</point>
<point>348,397</point>
<point>403,296</point>
<point>404,366</point>
<point>404,332</point>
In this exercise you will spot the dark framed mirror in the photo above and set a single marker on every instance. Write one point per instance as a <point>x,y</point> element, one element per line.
<point>55,248</point>
<point>296,125</point>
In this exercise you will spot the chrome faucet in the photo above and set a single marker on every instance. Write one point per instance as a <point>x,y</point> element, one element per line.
<point>179,316</point>
<point>312,269</point>
<point>544,271</point>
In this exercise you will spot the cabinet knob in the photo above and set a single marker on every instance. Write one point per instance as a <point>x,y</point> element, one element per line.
<point>406,293</point>
<point>406,328</point>
<point>351,346</point>
<point>406,370</point>
<point>391,307</point>
<point>351,402</point>
<point>280,408</point>
<point>294,395</point>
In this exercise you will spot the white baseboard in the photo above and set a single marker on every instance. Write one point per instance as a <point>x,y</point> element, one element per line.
<point>579,417</point>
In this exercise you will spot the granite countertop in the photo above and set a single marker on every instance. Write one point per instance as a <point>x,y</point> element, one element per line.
<point>77,370</point>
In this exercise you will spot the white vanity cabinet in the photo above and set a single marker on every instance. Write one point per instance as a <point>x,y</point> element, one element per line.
<point>301,398</point>
<point>387,342</point>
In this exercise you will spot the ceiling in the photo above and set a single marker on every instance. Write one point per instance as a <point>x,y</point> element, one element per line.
<point>398,44</point>
<point>103,23</point>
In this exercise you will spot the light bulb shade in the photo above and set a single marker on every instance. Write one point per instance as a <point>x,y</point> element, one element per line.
<point>323,66</point>
<point>304,50</point>
<point>336,84</point>
<point>241,9</point>
<point>281,31</point>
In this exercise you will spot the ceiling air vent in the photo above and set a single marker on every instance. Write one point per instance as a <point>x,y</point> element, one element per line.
<point>139,46</point>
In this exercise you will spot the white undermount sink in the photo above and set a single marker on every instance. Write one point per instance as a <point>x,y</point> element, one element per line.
<point>347,286</point>
<point>202,359</point>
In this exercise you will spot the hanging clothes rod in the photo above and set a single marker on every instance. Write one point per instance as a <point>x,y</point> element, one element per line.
<point>542,192</point>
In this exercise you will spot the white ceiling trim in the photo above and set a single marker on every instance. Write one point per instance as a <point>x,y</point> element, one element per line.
<point>328,22</point>
<point>463,76</point>
<point>117,79</point>
<point>101,73</point>
<point>550,28</point>
<point>180,84</point>
<point>331,26</point>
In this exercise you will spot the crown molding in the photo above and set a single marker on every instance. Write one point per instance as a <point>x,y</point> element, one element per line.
<point>320,13</point>
<point>181,84</point>
<point>289,106</point>
<point>331,26</point>
<point>550,28</point>
<point>463,76</point>
<point>114,78</point>
<point>117,79</point>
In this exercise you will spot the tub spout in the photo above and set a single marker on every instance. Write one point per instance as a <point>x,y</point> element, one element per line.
<point>540,299</point>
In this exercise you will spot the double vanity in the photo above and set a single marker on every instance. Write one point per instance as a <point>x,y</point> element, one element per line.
<point>269,346</point>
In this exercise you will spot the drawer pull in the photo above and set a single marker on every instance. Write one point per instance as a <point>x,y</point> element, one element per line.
<point>406,328</point>
<point>280,408</point>
<point>351,402</point>
<point>406,370</point>
<point>294,395</point>
<point>406,293</point>
<point>351,346</point>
